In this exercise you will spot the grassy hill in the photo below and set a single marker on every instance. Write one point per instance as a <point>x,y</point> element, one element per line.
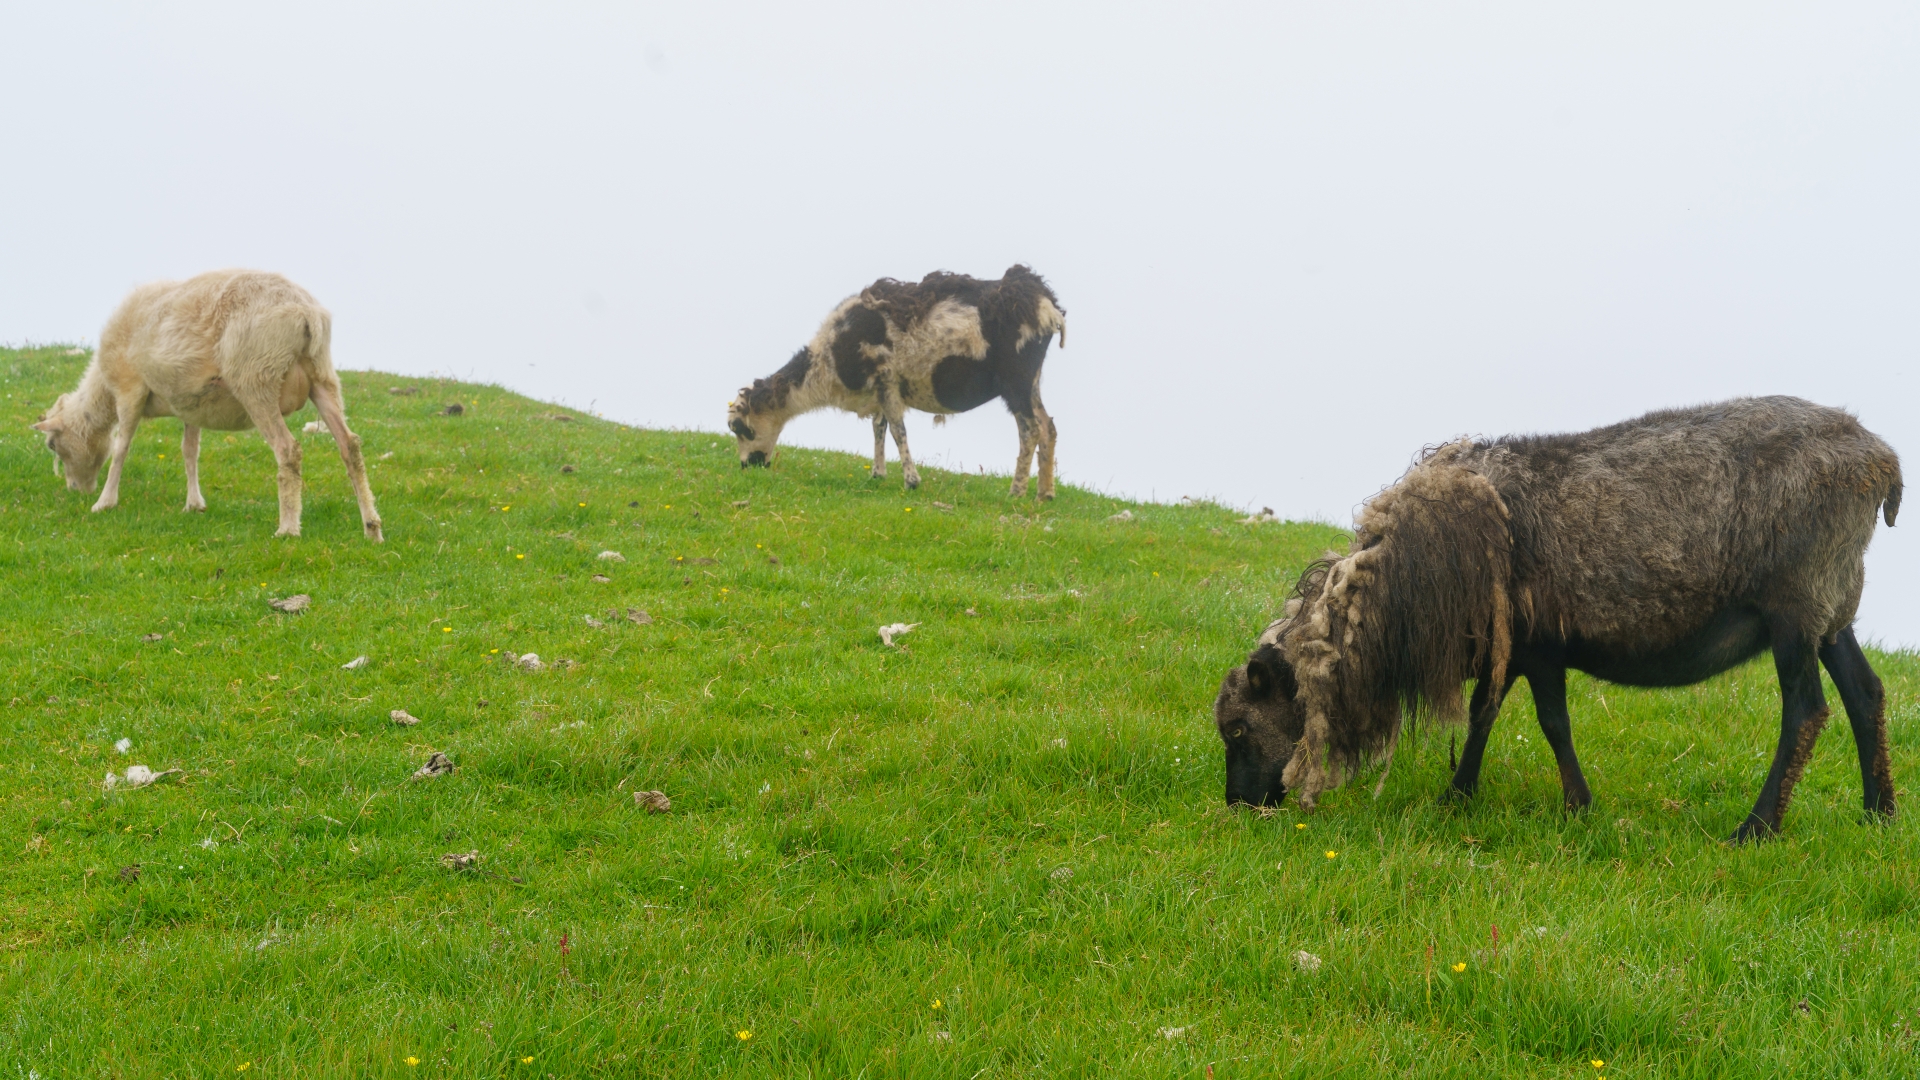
<point>996,850</point>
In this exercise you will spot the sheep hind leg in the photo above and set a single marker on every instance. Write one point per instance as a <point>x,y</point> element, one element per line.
<point>1803,712</point>
<point>1044,436</point>
<point>1023,463</point>
<point>326,399</point>
<point>264,410</point>
<point>1481,713</point>
<point>190,457</point>
<point>1866,702</point>
<point>879,446</point>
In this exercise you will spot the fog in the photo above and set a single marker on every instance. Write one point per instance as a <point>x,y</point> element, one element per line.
<point>1295,242</point>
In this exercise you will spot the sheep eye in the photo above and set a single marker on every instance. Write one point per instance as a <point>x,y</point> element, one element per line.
<point>1239,731</point>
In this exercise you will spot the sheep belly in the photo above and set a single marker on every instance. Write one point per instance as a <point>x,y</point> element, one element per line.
<point>212,406</point>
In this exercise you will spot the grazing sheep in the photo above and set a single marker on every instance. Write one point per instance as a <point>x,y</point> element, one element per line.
<point>946,345</point>
<point>226,350</point>
<point>1656,552</point>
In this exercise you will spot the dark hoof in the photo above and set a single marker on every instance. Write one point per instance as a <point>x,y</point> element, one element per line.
<point>1750,830</point>
<point>1457,794</point>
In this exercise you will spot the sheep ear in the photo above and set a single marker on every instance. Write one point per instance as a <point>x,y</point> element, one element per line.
<point>49,426</point>
<point>1260,679</point>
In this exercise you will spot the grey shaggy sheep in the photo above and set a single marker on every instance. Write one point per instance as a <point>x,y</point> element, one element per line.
<point>1656,552</point>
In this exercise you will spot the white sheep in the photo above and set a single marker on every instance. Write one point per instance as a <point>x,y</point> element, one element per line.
<point>226,350</point>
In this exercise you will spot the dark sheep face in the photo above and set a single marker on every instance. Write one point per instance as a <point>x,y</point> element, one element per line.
<point>1259,723</point>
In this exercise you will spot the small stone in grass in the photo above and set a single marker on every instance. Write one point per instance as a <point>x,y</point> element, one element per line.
<point>740,504</point>
<point>403,391</point>
<point>292,605</point>
<point>611,556</point>
<point>403,718</point>
<point>1306,961</point>
<point>151,637</point>
<point>654,802</point>
<point>454,409</point>
<point>593,622</point>
<point>635,615</point>
<point>600,579</point>
<point>566,468</point>
<point>354,664</point>
<point>437,765</point>
<point>454,860</point>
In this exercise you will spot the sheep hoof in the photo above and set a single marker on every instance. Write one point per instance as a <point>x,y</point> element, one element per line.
<point>288,530</point>
<point>1751,829</point>
<point>374,534</point>
<point>195,508</point>
<point>105,505</point>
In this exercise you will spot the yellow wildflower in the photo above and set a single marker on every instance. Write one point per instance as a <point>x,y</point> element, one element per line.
<point>528,1060</point>
<point>518,555</point>
<point>412,1061</point>
<point>446,629</point>
<point>583,504</point>
<point>1333,854</point>
<point>936,1003</point>
<point>743,1035</point>
<point>1300,825</point>
<point>1459,967</point>
<point>504,509</point>
<point>243,1066</point>
<point>1598,1064</point>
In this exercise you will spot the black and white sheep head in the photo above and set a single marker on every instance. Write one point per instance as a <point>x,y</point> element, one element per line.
<point>755,433</point>
<point>1259,723</point>
<point>78,448</point>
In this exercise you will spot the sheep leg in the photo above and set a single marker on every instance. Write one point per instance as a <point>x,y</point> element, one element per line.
<point>126,422</point>
<point>1549,685</point>
<point>879,444</point>
<point>326,399</point>
<point>1803,712</point>
<point>1044,435</point>
<point>907,469</point>
<point>895,413</point>
<point>1024,462</point>
<point>190,454</point>
<point>1866,702</point>
<point>1481,713</point>
<point>264,410</point>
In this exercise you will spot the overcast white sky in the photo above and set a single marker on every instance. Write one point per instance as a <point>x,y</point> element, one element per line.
<point>1296,242</point>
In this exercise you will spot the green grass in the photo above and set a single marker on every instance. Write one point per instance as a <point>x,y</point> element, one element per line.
<point>1017,814</point>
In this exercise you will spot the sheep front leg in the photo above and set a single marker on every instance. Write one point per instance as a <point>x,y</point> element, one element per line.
<point>125,424</point>
<point>264,409</point>
<point>879,444</point>
<point>894,412</point>
<point>326,399</point>
<point>190,454</point>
